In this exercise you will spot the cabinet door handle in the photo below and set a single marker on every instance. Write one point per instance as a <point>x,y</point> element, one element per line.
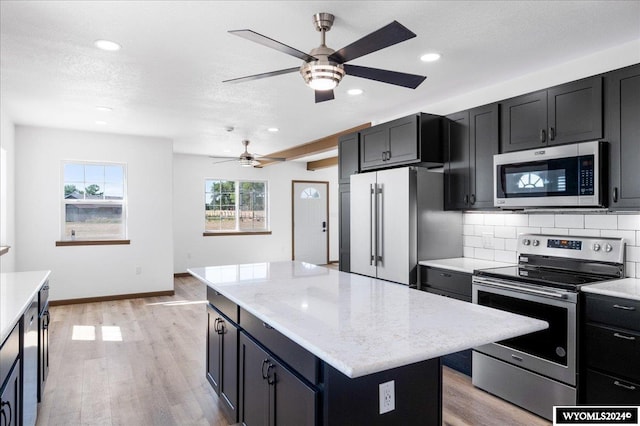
<point>8,405</point>
<point>264,372</point>
<point>267,326</point>
<point>615,194</point>
<point>473,199</point>
<point>271,378</point>
<point>466,199</point>
<point>622,336</point>
<point>388,155</point>
<point>625,308</point>
<point>552,133</point>
<point>624,386</point>
<point>543,136</point>
<point>220,326</point>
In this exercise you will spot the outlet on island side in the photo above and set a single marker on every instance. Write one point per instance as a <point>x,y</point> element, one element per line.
<point>387,396</point>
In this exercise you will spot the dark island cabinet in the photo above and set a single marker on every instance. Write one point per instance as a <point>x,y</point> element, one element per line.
<point>611,337</point>
<point>622,131</point>
<point>563,114</point>
<point>416,139</point>
<point>10,382</point>
<point>271,393</point>
<point>471,140</point>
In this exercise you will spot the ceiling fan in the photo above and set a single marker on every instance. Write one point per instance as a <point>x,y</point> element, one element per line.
<point>246,159</point>
<point>323,68</point>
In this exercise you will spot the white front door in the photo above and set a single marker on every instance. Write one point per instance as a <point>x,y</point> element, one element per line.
<point>310,222</point>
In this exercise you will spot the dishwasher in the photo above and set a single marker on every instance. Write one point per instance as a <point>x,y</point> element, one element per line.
<point>30,365</point>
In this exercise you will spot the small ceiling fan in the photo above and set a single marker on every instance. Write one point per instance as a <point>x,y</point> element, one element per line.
<point>246,159</point>
<point>323,68</point>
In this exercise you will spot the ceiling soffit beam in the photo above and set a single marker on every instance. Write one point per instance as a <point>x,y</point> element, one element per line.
<point>320,145</point>
<point>322,164</point>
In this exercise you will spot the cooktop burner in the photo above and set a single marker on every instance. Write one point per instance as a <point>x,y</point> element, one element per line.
<point>568,280</point>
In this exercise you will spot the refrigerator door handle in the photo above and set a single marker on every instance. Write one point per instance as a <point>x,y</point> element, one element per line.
<point>371,221</point>
<point>379,229</point>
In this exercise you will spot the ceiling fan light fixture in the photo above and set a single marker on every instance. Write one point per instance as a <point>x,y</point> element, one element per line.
<point>322,76</point>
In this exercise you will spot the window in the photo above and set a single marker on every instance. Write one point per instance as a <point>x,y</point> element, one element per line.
<point>235,206</point>
<point>94,201</point>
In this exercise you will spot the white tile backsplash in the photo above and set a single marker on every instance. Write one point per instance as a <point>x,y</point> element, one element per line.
<point>501,230</point>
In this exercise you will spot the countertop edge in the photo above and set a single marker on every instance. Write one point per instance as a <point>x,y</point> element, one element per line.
<point>25,305</point>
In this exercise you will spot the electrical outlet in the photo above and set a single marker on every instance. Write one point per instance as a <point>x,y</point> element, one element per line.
<point>138,270</point>
<point>487,240</point>
<point>387,396</point>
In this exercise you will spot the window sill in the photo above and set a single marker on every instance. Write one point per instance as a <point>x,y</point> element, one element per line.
<point>4,250</point>
<point>225,234</point>
<point>92,243</point>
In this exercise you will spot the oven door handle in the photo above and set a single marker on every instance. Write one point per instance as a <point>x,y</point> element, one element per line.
<point>494,283</point>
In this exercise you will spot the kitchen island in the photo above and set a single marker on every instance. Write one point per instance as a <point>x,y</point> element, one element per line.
<point>365,351</point>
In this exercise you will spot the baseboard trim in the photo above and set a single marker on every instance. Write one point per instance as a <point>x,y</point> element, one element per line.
<point>181,275</point>
<point>111,297</point>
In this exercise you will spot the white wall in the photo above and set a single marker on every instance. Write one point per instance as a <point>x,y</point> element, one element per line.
<point>94,271</point>
<point>191,249</point>
<point>7,192</point>
<point>501,229</point>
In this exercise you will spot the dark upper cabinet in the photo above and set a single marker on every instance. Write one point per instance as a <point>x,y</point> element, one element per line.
<point>344,243</point>
<point>409,140</point>
<point>622,131</point>
<point>567,113</point>
<point>472,138</point>
<point>348,156</point>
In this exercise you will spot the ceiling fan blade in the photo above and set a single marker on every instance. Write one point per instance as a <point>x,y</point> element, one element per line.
<point>324,95</point>
<point>386,36</point>
<point>226,160</point>
<point>263,75</point>
<point>392,77</point>
<point>274,44</point>
<point>271,158</point>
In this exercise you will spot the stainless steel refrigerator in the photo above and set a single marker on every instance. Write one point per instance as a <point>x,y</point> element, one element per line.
<point>397,219</point>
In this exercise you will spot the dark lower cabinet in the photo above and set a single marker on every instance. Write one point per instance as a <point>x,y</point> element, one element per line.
<point>270,393</point>
<point>622,131</point>
<point>222,361</point>
<point>10,414</point>
<point>611,351</point>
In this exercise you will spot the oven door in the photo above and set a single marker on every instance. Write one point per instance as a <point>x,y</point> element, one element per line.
<point>558,176</point>
<point>550,352</point>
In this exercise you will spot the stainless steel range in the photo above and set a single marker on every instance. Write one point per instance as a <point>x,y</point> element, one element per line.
<point>539,370</point>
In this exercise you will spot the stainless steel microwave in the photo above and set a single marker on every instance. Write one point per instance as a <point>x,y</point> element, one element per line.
<point>563,176</point>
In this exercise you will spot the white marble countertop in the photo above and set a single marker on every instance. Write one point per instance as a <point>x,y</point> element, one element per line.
<point>17,290</point>
<point>360,325</point>
<point>463,264</point>
<point>627,288</point>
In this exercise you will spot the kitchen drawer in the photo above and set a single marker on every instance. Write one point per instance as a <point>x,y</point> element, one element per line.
<point>444,279</point>
<point>613,311</point>
<point>613,350</point>
<point>9,352</point>
<point>429,289</point>
<point>298,358</point>
<point>602,389</point>
<point>222,304</point>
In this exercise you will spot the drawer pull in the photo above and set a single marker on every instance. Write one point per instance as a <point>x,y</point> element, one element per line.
<point>626,308</point>
<point>624,337</point>
<point>517,358</point>
<point>445,275</point>
<point>622,385</point>
<point>267,326</point>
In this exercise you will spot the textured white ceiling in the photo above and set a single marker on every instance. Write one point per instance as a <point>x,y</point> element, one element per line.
<point>167,79</point>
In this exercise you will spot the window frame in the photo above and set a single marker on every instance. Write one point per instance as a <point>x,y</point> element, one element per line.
<point>123,203</point>
<point>237,230</point>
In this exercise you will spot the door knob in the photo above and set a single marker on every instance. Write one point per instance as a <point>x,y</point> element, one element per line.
<point>324,226</point>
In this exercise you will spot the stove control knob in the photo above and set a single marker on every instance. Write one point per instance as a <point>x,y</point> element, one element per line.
<point>596,247</point>
<point>608,248</point>
<point>536,243</point>
<point>526,242</point>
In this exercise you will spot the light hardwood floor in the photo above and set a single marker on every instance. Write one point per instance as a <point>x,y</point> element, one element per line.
<point>155,374</point>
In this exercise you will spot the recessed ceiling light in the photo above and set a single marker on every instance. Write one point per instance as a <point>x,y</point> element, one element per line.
<point>273,129</point>
<point>430,57</point>
<point>111,46</point>
<point>104,108</point>
<point>355,92</point>
<point>100,122</point>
